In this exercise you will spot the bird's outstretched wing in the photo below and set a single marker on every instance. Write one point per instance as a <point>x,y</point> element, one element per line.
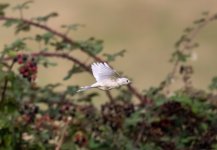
<point>102,71</point>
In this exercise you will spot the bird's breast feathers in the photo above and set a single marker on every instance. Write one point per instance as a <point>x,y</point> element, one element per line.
<point>107,84</point>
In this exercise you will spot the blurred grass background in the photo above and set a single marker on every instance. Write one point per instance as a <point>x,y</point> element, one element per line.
<point>147,29</point>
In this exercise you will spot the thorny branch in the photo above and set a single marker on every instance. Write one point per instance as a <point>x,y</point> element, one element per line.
<point>44,27</point>
<point>70,41</point>
<point>83,65</point>
<point>186,45</point>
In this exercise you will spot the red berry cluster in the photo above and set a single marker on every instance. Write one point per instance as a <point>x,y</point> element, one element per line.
<point>80,139</point>
<point>28,68</point>
<point>28,112</point>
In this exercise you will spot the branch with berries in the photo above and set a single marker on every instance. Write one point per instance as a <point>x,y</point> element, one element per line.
<point>29,69</point>
<point>68,40</point>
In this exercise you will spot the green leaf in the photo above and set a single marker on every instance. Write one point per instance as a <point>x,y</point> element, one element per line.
<point>45,135</point>
<point>195,105</point>
<point>2,8</point>
<point>91,46</point>
<point>47,17</point>
<point>177,55</point>
<point>187,139</point>
<point>188,29</point>
<point>8,140</point>
<point>124,95</point>
<point>52,86</point>
<point>60,45</point>
<point>22,26</point>
<point>130,145</point>
<point>72,90</point>
<point>38,146</point>
<point>214,146</point>
<point>183,38</point>
<point>213,85</point>
<point>68,145</point>
<point>150,146</point>
<point>112,57</point>
<point>46,62</point>
<point>3,122</point>
<point>24,5</point>
<point>72,26</point>
<point>199,21</point>
<point>75,69</point>
<point>17,45</point>
<point>134,118</point>
<point>10,22</point>
<point>12,53</point>
<point>159,100</point>
<point>97,145</point>
<point>46,37</point>
<point>2,75</point>
<point>94,145</point>
<point>88,97</point>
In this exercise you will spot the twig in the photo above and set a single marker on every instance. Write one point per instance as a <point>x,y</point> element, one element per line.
<point>176,65</point>
<point>135,92</point>
<point>61,138</point>
<point>108,93</point>
<point>58,55</point>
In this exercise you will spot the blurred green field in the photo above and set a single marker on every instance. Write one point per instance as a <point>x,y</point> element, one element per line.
<point>147,29</point>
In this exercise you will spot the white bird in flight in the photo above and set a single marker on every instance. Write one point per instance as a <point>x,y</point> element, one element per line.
<point>106,78</point>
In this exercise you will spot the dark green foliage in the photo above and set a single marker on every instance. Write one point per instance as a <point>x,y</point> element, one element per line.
<point>22,26</point>
<point>2,8</point>
<point>46,37</point>
<point>91,46</point>
<point>75,69</point>
<point>213,85</point>
<point>112,57</point>
<point>179,56</point>
<point>10,22</point>
<point>72,27</point>
<point>46,17</point>
<point>17,45</point>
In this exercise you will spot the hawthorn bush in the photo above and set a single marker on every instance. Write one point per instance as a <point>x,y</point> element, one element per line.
<point>185,119</point>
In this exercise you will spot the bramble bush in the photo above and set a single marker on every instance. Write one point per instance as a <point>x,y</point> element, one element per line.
<point>184,119</point>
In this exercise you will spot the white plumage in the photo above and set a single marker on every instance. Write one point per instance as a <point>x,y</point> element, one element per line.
<point>106,78</point>
<point>102,71</point>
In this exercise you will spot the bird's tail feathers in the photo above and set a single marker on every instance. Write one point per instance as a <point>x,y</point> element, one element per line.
<point>84,88</point>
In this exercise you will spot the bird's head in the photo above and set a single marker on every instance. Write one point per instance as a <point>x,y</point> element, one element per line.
<point>123,81</point>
